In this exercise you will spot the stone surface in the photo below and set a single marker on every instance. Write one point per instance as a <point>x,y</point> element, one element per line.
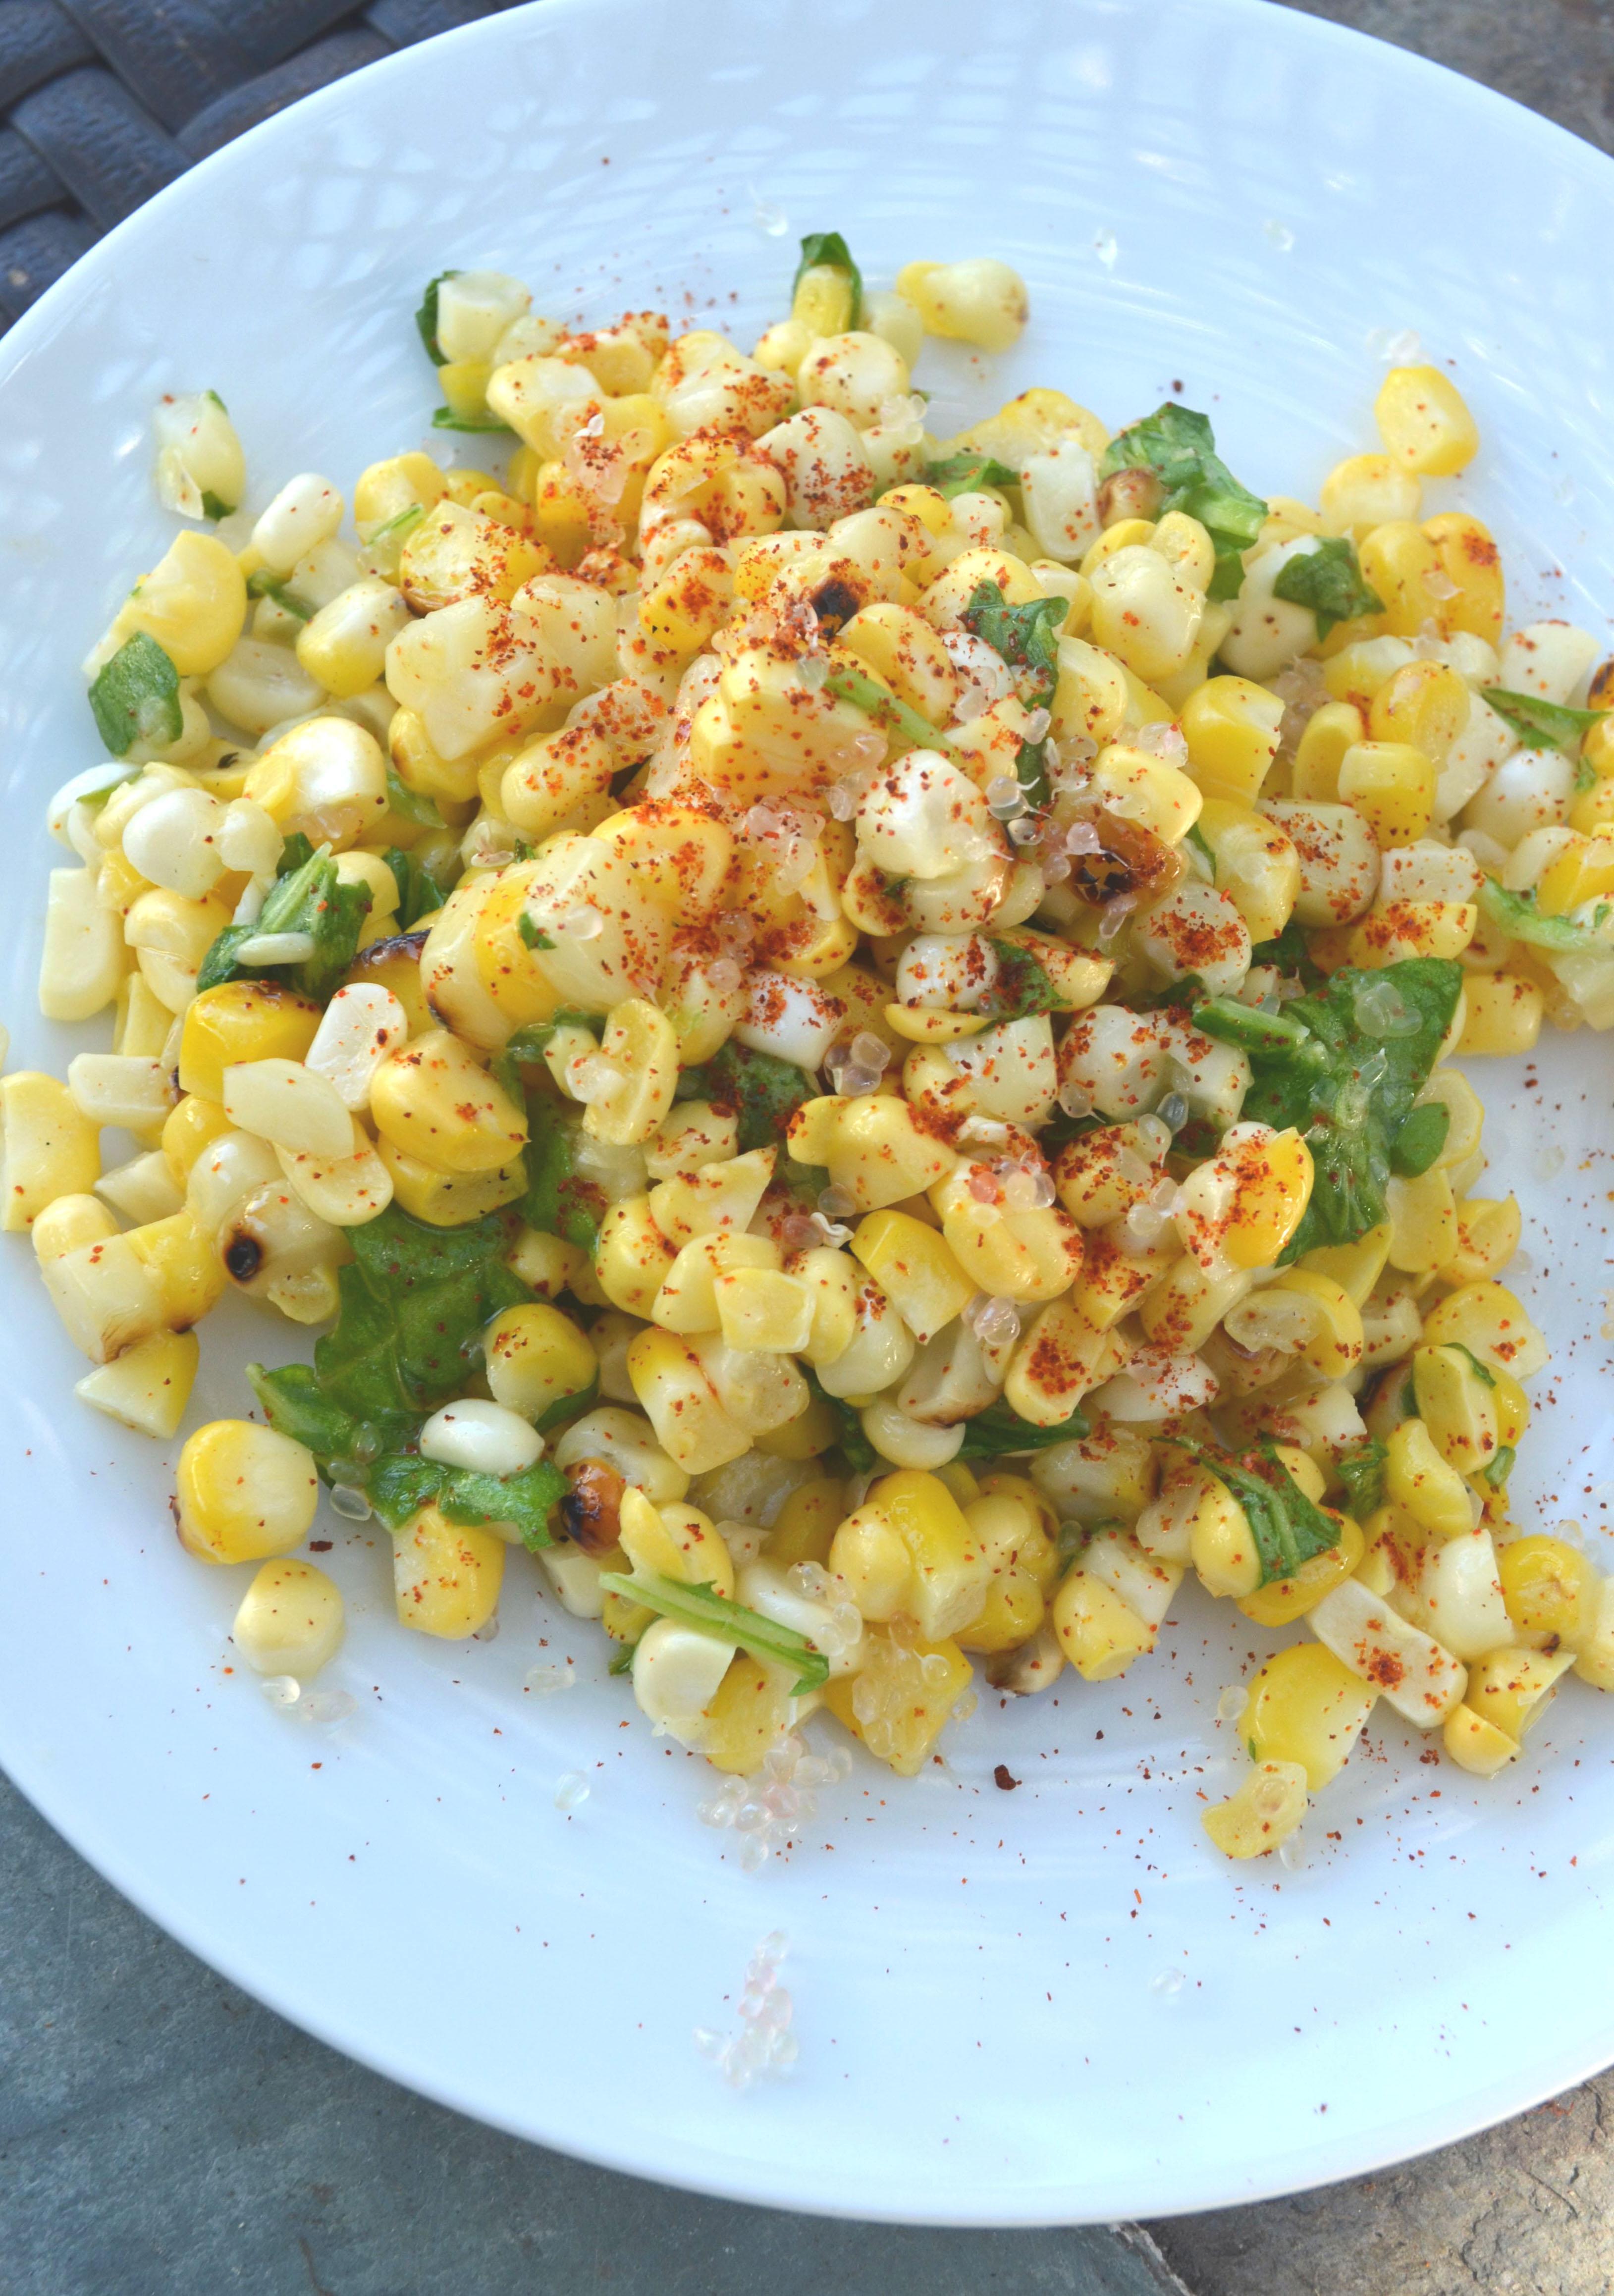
<point>160,2134</point>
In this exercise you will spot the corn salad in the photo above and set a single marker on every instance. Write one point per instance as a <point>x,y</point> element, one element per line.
<point>847,1036</point>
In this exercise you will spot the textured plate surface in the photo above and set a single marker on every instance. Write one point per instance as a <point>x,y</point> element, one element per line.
<point>1209,198</point>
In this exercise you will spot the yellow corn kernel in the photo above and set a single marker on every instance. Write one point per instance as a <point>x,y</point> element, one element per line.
<point>1403,566</point>
<point>1391,785</point>
<point>1099,1633</point>
<point>244,1492</point>
<point>914,1267</point>
<point>1403,928</point>
<point>291,1619</point>
<point>419,767</point>
<point>1424,423</point>
<point>805,1524</point>
<point>1061,1357</point>
<point>536,1357</point>
<point>874,1148</point>
<point>1581,872</point>
<point>1355,672</point>
<point>148,1386</point>
<point>1264,1812</point>
<point>1594,809</point>
<point>760,1308</point>
<point>1422,1221</point>
<point>715,1200</point>
<point>241,1021</point>
<point>1469,558</point>
<point>1146,789</point>
<point>1424,706</point>
<point>1014,1611</point>
<point>674,1541</point>
<point>194,602</point>
<point>908,655</point>
<point>434,1102</point>
<point>1417,1479</point>
<point>1476,1744</point>
<point>1457,1406</point>
<point>183,1264</point>
<point>1305,1706</point>
<point>1218,1538</point>
<point>1256,864</point>
<point>749,1714</point>
<point>633,1259</point>
<point>1512,1689</point>
<point>449,1199</point>
<point>1283,1601</point>
<point>950,1570</point>
<point>1551,1590</point>
<point>69,1222</point>
<point>1365,490</point>
<point>1231,727</point>
<point>1356,1267</point>
<point>445,1575</point>
<point>898,1702</point>
<point>1487,1319</point>
<point>869,1555</point>
<point>810,1433</point>
<point>1487,1237</point>
<point>48,1148</point>
<point>386,490</point>
<point>1331,734</point>
<point>682,1404</point>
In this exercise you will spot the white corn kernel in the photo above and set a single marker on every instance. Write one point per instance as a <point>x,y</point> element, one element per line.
<point>363,1024</point>
<point>306,511</point>
<point>288,1105</point>
<point>121,1088</point>
<point>485,1436</point>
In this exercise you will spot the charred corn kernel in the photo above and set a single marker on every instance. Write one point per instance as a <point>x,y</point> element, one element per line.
<point>1424,423</point>
<point>432,1101</point>
<point>682,1404</point>
<point>1308,1709</point>
<point>630,1087</point>
<point>1331,734</point>
<point>1512,1689</point>
<point>291,1619</point>
<point>240,1021</point>
<point>48,1148</point>
<point>1422,1221</point>
<point>1487,1237</point>
<point>148,1386</point>
<point>914,1267</point>
<point>1419,1479</point>
<point>244,1492</point>
<point>1476,1744</point>
<point>1391,785</point>
<point>1284,1600</point>
<point>1424,706</point>
<point>535,1358</point>
<point>1487,1319</point>
<point>1262,1814</point>
<point>445,1575</point>
<point>1365,491</point>
<point>1551,1590</point>
<point>902,1698</point>
<point>1231,727</point>
<point>1457,1405</point>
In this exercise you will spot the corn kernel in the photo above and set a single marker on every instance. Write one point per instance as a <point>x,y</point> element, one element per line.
<point>1308,1709</point>
<point>1264,1812</point>
<point>244,1492</point>
<point>1424,422</point>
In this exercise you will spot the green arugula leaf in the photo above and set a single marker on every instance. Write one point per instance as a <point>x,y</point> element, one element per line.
<point>416,1301</point>
<point>263,584</point>
<point>763,1091</point>
<point>853,1445</point>
<point>999,1432</point>
<point>135,698</point>
<point>1023,987</point>
<point>1290,954</point>
<point>565,1409</point>
<point>295,1402</point>
<point>1497,1471</point>
<point>866,693</point>
<point>419,893</point>
<point>534,935</point>
<point>444,418</point>
<point>1287,1526</point>
<point>828,250</point>
<point>1419,1140</point>
<point>962,474</point>
<point>1344,1067</point>
<point>703,1606</point>
<point>1542,725</point>
<point>527,1047</point>
<point>213,506</point>
<point>1179,447</point>
<point>1329,580</point>
<point>308,896</point>
<point>425,319</point>
<point>1517,916</point>
<point>1362,1472</point>
<point>411,805</point>
<point>1026,637</point>
<point>558,1200</point>
<point>1481,1370</point>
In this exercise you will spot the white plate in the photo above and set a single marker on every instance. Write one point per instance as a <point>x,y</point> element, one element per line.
<point>1211,198</point>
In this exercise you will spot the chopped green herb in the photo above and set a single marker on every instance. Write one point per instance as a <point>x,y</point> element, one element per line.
<point>411,805</point>
<point>1516,915</point>
<point>419,893</point>
<point>703,1606</point>
<point>867,694</point>
<point>1419,1140</point>
<point>764,1091</point>
<point>1329,580</point>
<point>1497,1470</point>
<point>135,698</point>
<point>1179,447</point>
<point>623,1663</point>
<point>425,319</point>
<point>444,418</point>
<point>853,1445</point>
<point>1544,724</point>
<point>1287,1527</point>
<point>1195,837</point>
<point>962,474</point>
<point>308,896</point>
<point>1343,1067</point>
<point>1362,1472</point>
<point>416,1301</point>
<point>1023,986</point>
<point>531,934</point>
<point>828,251</point>
<point>529,1045</point>
<point>1000,1432</point>
<point>1026,637</point>
<point>558,1200</point>
<point>214,506</point>
<point>565,1409</point>
<point>1481,1370</point>
<point>1290,955</point>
